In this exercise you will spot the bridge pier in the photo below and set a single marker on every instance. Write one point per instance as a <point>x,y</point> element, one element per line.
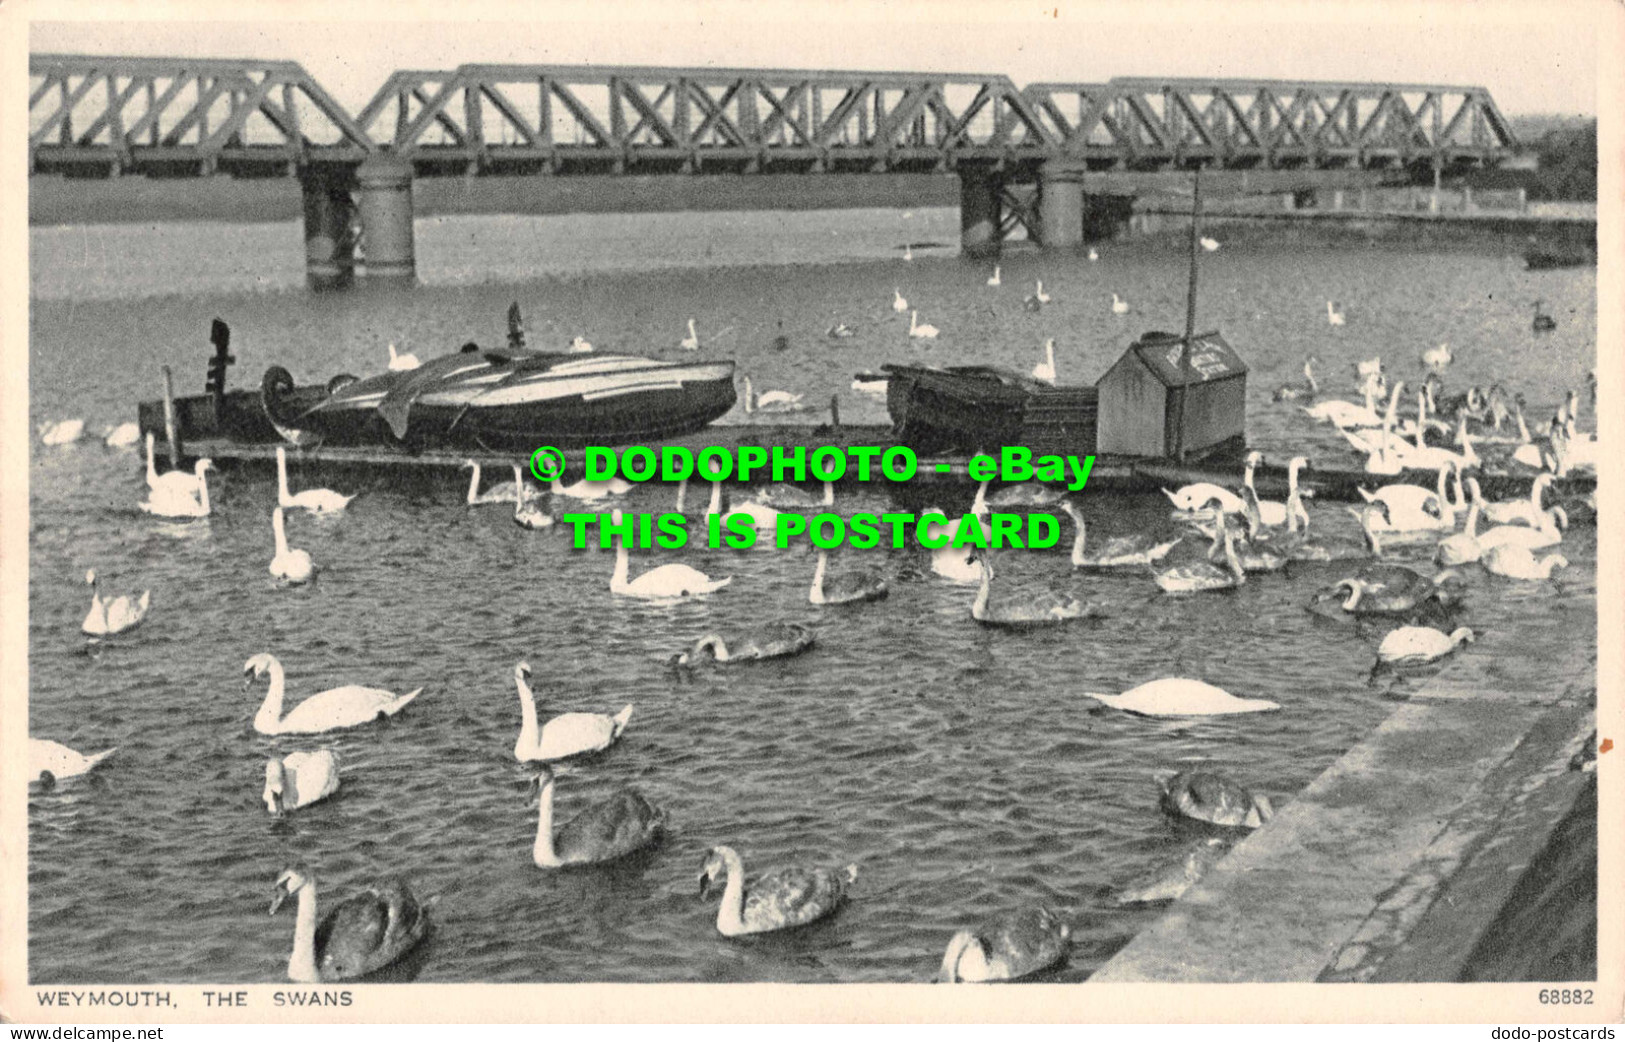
<point>329,226</point>
<point>384,191</point>
<point>1060,206</point>
<point>979,231</point>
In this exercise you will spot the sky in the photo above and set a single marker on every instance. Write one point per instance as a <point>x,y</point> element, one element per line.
<point>1538,56</point>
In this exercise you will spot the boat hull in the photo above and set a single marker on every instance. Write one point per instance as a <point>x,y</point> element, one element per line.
<point>509,404</point>
<point>980,408</point>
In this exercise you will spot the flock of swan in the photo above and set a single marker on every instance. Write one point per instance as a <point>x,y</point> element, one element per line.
<point>1224,534</point>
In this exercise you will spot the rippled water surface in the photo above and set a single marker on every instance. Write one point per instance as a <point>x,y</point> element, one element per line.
<point>960,768</point>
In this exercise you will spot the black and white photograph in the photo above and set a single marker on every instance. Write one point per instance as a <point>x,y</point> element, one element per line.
<point>865,493</point>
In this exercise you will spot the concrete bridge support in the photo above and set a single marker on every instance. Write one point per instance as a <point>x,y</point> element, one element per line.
<point>330,236</point>
<point>979,231</point>
<point>1060,206</point>
<point>384,191</point>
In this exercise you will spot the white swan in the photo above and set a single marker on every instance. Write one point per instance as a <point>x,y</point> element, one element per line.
<point>124,436</point>
<point>339,707</point>
<point>1119,305</point>
<point>290,566</point>
<point>1270,513</point>
<point>779,900</point>
<point>170,500</point>
<point>1518,562</point>
<point>667,582</point>
<point>1094,254</point>
<point>505,492</point>
<point>315,500</point>
<point>1038,292</point>
<point>873,388</point>
<point>1200,495</point>
<point>527,514</point>
<point>919,332</point>
<point>565,735</point>
<point>401,363</point>
<point>1026,609</point>
<point>592,490</point>
<point>109,616</point>
<point>172,482</point>
<point>579,346</point>
<point>1548,533</point>
<point>50,762</point>
<point>898,304</point>
<point>1418,645</point>
<point>1409,506</point>
<point>1122,552</point>
<point>1209,244</point>
<point>1334,317</point>
<point>1462,547</point>
<point>994,279</point>
<point>1176,696</point>
<point>1437,358</point>
<point>771,401</point>
<point>692,341</point>
<point>1045,370</point>
<point>1528,511</point>
<point>64,433</point>
<point>300,779</point>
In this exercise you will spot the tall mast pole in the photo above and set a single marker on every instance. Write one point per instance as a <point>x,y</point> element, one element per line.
<point>1190,317</point>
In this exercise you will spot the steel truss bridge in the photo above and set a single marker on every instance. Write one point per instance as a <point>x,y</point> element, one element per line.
<point>100,116</point>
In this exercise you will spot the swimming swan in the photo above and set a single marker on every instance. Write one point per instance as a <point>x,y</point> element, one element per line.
<point>592,490</point>
<point>110,616</point>
<point>339,707</point>
<point>1177,696</point>
<point>1006,948</point>
<point>1204,575</point>
<point>50,762</point>
<point>124,436</point>
<point>850,588</point>
<point>898,304</point>
<point>1122,552</point>
<point>565,735</point>
<point>1334,317</point>
<point>1029,608</point>
<point>505,492</point>
<point>290,566</point>
<point>300,779</point>
<point>1418,645</point>
<point>1518,562</point>
<point>170,499</point>
<point>1214,798</point>
<point>774,640</point>
<point>401,363</point>
<point>780,900</point>
<point>1463,546</point>
<point>526,513</point>
<point>1526,511</point>
<point>1549,533</point>
<point>359,936</point>
<point>918,331</point>
<point>63,433</point>
<point>315,500</point>
<point>667,582</point>
<point>771,401</point>
<point>692,341</point>
<point>609,830</point>
<point>1045,370</point>
<point>1119,305</point>
<point>1198,496</point>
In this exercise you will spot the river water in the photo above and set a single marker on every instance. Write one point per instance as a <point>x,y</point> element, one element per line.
<point>962,769</point>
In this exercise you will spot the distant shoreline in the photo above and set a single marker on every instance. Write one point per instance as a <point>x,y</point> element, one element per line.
<point>55,200</point>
